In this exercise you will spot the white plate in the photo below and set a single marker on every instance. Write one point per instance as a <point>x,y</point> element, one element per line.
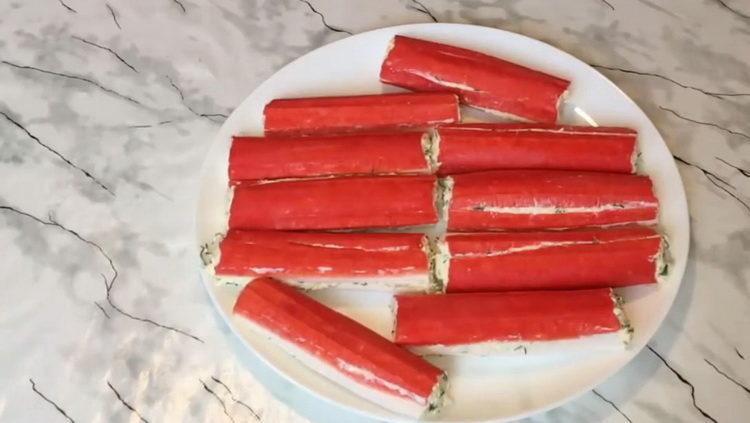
<point>482,388</point>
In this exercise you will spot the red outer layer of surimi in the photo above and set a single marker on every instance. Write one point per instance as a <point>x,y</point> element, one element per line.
<point>330,255</point>
<point>253,158</point>
<point>477,147</point>
<point>480,80</point>
<point>336,203</point>
<point>523,199</point>
<point>570,259</point>
<point>327,115</point>
<point>348,346</point>
<point>503,316</point>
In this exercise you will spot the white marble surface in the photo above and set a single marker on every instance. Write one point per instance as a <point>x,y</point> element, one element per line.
<point>106,112</point>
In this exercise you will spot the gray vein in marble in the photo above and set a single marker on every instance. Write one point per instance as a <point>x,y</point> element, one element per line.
<point>54,404</point>
<point>125,403</point>
<point>56,153</point>
<point>91,43</point>
<point>713,178</point>
<point>744,172</point>
<point>323,19</point>
<point>733,10</point>
<point>237,401</point>
<point>608,4</point>
<point>612,404</point>
<point>75,78</point>
<point>727,130</point>
<point>218,398</point>
<point>181,6</point>
<point>657,8</point>
<point>421,8</point>
<point>731,379</point>
<point>187,106</point>
<point>739,354</point>
<point>108,285</point>
<point>684,381</point>
<point>70,9</point>
<point>99,306</point>
<point>718,95</point>
<point>114,15</point>
<point>164,122</point>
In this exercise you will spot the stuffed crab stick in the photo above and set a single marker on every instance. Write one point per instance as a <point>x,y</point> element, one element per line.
<point>341,349</point>
<point>481,81</point>
<point>334,203</point>
<point>527,199</point>
<point>487,146</point>
<point>568,259</point>
<point>310,260</point>
<point>327,115</point>
<point>260,158</point>
<point>511,323</point>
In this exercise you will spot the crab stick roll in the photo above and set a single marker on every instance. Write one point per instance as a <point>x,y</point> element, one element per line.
<point>527,199</point>
<point>511,323</point>
<point>335,203</point>
<point>487,146</point>
<point>315,260</point>
<point>481,81</point>
<point>260,158</point>
<point>568,259</point>
<point>341,349</point>
<point>327,115</point>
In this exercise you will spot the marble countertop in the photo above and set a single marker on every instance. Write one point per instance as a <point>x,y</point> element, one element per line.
<point>107,109</point>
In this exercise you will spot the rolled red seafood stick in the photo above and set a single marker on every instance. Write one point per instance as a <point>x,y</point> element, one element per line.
<point>487,146</point>
<point>341,349</point>
<point>252,158</point>
<point>481,81</point>
<point>335,203</point>
<point>310,260</point>
<point>527,199</point>
<point>327,115</point>
<point>569,259</point>
<point>511,323</point>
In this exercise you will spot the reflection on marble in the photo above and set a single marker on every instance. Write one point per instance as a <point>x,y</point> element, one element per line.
<point>107,109</point>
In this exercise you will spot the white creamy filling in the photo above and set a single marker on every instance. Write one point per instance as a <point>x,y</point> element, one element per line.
<point>391,402</point>
<point>443,196</point>
<point>562,210</point>
<point>541,245</point>
<point>430,148</point>
<point>410,283</point>
<point>586,344</point>
<point>440,264</point>
<point>626,330</point>
<point>503,115</point>
<point>444,83</point>
<point>545,130</point>
<point>663,260</point>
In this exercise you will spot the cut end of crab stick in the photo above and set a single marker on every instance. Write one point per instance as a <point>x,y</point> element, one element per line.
<point>261,158</point>
<point>341,349</point>
<point>335,203</point>
<point>568,259</point>
<point>481,81</point>
<point>511,323</point>
<point>527,199</point>
<point>316,260</point>
<point>328,115</point>
<point>478,147</point>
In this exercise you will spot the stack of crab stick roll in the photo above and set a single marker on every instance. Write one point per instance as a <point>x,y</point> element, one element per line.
<point>543,221</point>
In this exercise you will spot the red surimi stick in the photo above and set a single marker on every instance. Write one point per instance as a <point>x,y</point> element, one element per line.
<point>314,260</point>
<point>527,199</point>
<point>569,259</point>
<point>327,115</point>
<point>481,81</point>
<point>334,203</point>
<point>341,349</point>
<point>260,158</point>
<point>511,322</point>
<point>487,146</point>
